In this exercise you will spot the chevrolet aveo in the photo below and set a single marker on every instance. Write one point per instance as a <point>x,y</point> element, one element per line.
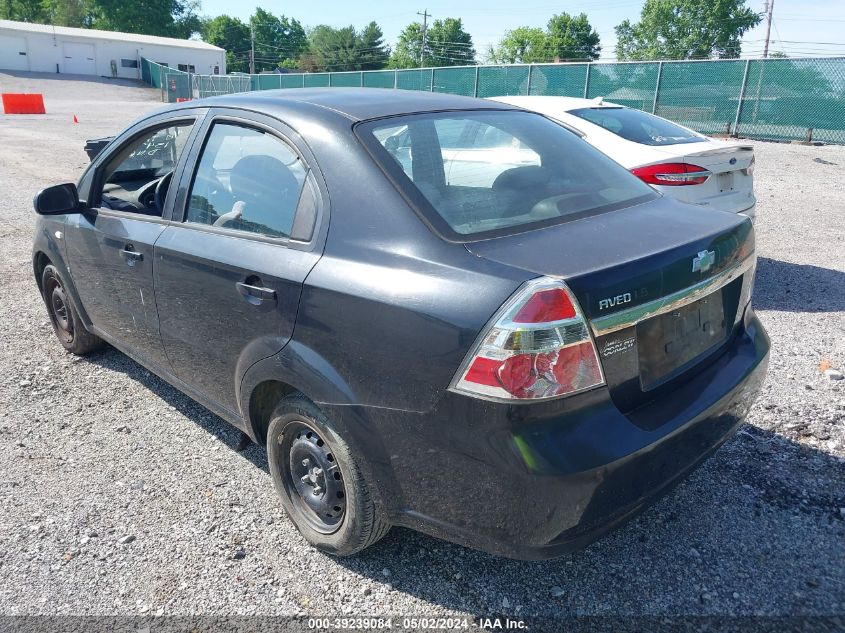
<point>515,350</point>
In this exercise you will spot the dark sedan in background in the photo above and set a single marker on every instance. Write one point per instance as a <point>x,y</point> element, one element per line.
<point>436,312</point>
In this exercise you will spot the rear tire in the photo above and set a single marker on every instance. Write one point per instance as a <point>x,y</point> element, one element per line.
<point>67,325</point>
<point>321,485</point>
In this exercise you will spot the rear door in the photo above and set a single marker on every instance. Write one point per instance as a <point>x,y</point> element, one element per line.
<point>229,271</point>
<point>110,245</point>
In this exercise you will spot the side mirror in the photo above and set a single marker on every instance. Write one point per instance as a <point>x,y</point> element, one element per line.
<point>57,200</point>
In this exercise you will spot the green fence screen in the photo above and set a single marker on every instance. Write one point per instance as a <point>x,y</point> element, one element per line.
<point>778,99</point>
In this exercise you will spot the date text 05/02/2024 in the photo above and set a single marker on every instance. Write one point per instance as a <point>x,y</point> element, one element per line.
<point>417,623</point>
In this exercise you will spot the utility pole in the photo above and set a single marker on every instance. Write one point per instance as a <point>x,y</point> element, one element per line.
<point>770,6</point>
<point>251,48</point>
<point>425,15</point>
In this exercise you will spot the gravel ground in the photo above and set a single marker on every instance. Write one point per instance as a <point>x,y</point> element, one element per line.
<point>122,496</point>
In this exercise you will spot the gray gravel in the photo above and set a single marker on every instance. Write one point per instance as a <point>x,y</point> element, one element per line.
<point>120,495</point>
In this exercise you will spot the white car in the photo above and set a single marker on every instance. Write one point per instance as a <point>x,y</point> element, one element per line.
<point>675,160</point>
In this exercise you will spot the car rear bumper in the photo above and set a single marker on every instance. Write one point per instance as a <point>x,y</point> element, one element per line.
<point>751,211</point>
<point>537,481</point>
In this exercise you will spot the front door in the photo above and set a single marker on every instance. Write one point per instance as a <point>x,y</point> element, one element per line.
<point>110,245</point>
<point>228,277</point>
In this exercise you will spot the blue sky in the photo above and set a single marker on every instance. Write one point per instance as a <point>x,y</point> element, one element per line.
<point>800,26</point>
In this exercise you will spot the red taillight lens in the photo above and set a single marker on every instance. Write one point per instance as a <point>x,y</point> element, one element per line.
<point>538,347</point>
<point>547,305</point>
<point>672,174</point>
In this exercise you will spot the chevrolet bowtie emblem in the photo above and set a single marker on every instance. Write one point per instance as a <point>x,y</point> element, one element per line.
<point>703,261</point>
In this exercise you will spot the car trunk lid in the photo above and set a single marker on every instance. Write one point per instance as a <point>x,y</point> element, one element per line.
<point>627,268</point>
<point>731,186</point>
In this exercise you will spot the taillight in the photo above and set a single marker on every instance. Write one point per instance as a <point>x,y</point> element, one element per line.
<point>538,347</point>
<point>672,174</point>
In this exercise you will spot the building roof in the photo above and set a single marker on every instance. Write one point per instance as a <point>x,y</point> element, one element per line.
<point>49,29</point>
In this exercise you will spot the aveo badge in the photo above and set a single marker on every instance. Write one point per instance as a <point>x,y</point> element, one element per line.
<point>702,262</point>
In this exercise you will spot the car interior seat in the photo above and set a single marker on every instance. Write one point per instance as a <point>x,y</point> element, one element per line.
<point>265,192</point>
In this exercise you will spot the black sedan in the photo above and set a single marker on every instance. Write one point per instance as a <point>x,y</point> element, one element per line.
<point>435,312</point>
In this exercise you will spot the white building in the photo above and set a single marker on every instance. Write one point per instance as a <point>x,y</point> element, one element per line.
<point>60,49</point>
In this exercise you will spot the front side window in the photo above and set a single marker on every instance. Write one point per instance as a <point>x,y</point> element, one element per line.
<point>485,173</point>
<point>639,127</point>
<point>248,180</point>
<point>137,177</point>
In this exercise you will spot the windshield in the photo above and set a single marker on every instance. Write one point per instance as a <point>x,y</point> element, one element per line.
<point>486,173</point>
<point>637,126</point>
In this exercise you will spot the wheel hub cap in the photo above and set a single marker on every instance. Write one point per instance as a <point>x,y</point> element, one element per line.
<point>60,308</point>
<point>317,479</point>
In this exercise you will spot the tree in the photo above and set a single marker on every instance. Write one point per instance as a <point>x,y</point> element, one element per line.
<point>374,52</point>
<point>522,45</point>
<point>22,10</point>
<point>232,35</point>
<point>446,44</point>
<point>686,29</point>
<point>294,41</point>
<point>572,38</point>
<point>334,49</point>
<point>76,13</point>
<point>346,49</point>
<point>170,18</point>
<point>279,41</point>
<point>408,51</point>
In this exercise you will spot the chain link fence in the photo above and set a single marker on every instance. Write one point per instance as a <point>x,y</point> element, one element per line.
<point>775,99</point>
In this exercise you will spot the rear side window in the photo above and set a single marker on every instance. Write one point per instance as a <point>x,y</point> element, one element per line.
<point>637,126</point>
<point>483,173</point>
<point>247,180</point>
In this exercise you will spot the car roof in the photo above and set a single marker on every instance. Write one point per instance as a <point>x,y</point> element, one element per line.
<point>357,104</point>
<point>543,103</point>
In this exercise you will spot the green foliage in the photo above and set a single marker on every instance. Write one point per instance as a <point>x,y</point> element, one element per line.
<point>346,49</point>
<point>374,52</point>
<point>279,41</point>
<point>566,37</point>
<point>686,29</point>
<point>446,44</point>
<point>408,51</point>
<point>169,18</point>
<point>76,13</point>
<point>572,38</point>
<point>522,45</point>
<point>232,35</point>
<point>22,10</point>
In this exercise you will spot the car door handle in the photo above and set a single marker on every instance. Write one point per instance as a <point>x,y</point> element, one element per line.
<point>256,295</point>
<point>131,255</point>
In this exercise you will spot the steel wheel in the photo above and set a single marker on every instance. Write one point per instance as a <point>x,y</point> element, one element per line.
<point>312,477</point>
<point>59,310</point>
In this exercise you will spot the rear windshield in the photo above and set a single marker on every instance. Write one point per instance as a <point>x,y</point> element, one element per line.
<point>486,173</point>
<point>637,126</point>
